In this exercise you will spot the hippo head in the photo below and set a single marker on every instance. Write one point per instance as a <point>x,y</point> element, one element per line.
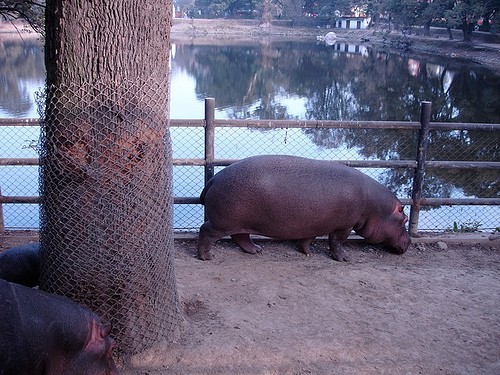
<point>96,357</point>
<point>388,230</point>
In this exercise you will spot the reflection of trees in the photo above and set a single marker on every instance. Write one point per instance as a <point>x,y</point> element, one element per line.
<point>20,62</point>
<point>240,78</point>
<point>250,80</point>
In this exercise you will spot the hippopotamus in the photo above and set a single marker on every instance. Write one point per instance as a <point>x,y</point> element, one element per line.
<point>47,334</point>
<point>294,198</point>
<point>21,264</point>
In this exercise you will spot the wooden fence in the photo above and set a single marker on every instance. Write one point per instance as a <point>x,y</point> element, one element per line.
<point>420,164</point>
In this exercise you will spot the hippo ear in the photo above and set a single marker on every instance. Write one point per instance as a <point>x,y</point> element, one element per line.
<point>106,330</point>
<point>98,336</point>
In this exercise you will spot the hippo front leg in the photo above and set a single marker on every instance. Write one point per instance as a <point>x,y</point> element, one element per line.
<point>304,245</point>
<point>244,241</point>
<point>335,240</point>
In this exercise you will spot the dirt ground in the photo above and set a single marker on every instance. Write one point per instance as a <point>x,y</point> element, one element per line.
<point>429,311</point>
<point>432,310</point>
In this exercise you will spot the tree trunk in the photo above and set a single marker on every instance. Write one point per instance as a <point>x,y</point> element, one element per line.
<point>467,29</point>
<point>265,22</point>
<point>450,33</point>
<point>106,168</point>
<point>427,28</point>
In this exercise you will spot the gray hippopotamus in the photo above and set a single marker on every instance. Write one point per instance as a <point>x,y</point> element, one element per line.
<point>294,198</point>
<point>21,264</point>
<point>47,334</point>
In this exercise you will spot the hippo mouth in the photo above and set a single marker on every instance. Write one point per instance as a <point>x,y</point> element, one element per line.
<point>401,247</point>
<point>399,250</point>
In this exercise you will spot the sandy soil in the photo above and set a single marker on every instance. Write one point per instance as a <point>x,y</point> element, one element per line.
<point>433,310</point>
<point>429,311</point>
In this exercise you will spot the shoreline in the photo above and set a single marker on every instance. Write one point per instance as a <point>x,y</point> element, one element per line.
<point>485,53</point>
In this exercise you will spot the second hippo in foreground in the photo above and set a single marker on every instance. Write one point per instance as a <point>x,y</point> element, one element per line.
<point>294,198</point>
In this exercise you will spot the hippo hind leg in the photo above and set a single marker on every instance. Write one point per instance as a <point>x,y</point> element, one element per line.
<point>206,239</point>
<point>335,240</point>
<point>243,240</point>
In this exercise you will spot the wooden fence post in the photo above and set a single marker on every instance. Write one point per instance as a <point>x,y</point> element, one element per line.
<point>209,138</point>
<point>418,177</point>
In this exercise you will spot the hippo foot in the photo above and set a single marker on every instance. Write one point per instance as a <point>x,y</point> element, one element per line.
<point>340,256</point>
<point>255,249</point>
<point>205,255</point>
<point>305,245</point>
<point>243,240</point>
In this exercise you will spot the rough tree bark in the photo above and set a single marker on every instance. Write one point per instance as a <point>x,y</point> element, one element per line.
<point>106,171</point>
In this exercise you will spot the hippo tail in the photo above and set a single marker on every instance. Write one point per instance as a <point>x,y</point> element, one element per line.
<point>204,192</point>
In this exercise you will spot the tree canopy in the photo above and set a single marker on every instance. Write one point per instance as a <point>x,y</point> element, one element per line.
<point>467,15</point>
<point>29,11</point>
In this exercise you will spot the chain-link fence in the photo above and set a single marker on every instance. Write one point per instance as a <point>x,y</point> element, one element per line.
<point>458,181</point>
<point>106,217</point>
<point>466,183</point>
<point>19,173</point>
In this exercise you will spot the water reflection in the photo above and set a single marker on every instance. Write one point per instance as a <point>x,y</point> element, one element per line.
<point>335,82</point>
<point>292,80</point>
<point>22,73</point>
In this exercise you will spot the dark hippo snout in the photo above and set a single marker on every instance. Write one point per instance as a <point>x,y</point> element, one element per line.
<point>399,244</point>
<point>401,249</point>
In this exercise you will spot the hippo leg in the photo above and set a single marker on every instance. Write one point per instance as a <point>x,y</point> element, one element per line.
<point>243,240</point>
<point>206,238</point>
<point>304,245</point>
<point>335,241</point>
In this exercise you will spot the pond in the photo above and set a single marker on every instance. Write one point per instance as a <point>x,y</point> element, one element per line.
<point>292,80</point>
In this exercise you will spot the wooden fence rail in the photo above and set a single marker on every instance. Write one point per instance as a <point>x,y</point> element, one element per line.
<point>420,164</point>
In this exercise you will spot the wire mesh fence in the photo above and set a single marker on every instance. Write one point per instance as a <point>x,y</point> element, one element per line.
<point>106,218</point>
<point>237,139</point>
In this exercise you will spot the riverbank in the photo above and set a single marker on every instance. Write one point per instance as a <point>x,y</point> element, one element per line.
<point>484,52</point>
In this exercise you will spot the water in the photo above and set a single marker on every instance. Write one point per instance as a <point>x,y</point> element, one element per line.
<point>292,80</point>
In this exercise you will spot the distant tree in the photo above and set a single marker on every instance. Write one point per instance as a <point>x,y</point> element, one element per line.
<point>30,11</point>
<point>185,7</point>
<point>291,8</point>
<point>434,10</point>
<point>404,13</point>
<point>465,14</point>
<point>374,9</point>
<point>328,9</point>
<point>492,9</point>
<point>266,13</point>
<point>222,8</point>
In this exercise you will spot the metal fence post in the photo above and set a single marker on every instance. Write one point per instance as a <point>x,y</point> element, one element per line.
<point>2,223</point>
<point>209,138</point>
<point>418,177</point>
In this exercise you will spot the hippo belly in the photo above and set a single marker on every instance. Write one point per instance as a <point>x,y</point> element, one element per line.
<point>286,197</point>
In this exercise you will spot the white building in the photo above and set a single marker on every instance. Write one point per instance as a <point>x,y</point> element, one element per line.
<point>352,22</point>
